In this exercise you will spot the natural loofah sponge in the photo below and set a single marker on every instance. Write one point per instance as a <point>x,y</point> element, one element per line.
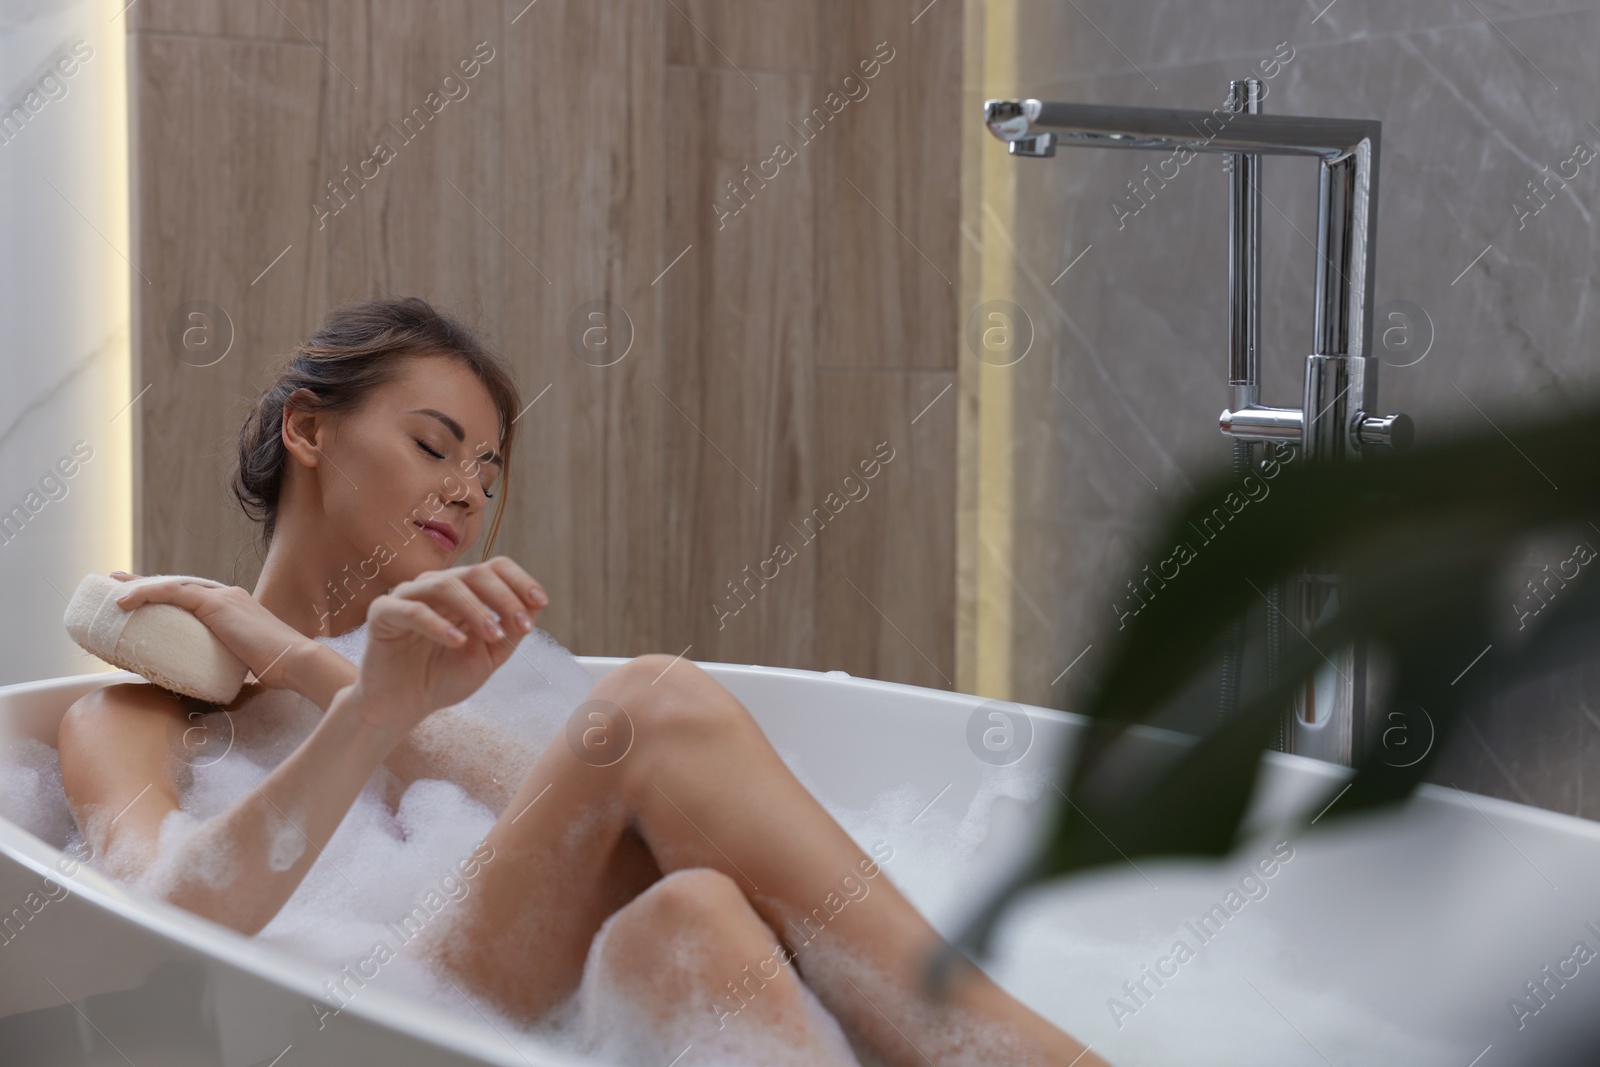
<point>162,642</point>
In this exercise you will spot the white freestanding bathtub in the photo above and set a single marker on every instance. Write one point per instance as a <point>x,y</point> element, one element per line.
<point>1406,938</point>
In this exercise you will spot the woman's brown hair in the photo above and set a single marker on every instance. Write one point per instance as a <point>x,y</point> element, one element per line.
<point>358,347</point>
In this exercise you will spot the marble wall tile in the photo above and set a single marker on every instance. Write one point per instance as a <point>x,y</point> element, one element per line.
<point>1104,38</point>
<point>64,288</point>
<point>1116,417</point>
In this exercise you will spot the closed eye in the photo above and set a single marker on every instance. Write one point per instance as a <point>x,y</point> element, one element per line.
<point>437,455</point>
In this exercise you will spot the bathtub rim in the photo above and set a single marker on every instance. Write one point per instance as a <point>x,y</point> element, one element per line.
<point>1279,764</point>
<point>428,1024</point>
<point>1276,765</point>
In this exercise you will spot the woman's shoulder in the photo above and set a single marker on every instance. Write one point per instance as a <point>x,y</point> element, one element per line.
<point>133,702</point>
<point>118,726</point>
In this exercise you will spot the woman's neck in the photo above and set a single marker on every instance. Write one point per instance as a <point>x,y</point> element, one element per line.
<point>314,595</point>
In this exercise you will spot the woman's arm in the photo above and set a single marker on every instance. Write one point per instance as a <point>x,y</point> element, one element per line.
<point>483,761</point>
<point>317,672</point>
<point>279,829</point>
<point>239,867</point>
<point>448,745</point>
<point>430,646</point>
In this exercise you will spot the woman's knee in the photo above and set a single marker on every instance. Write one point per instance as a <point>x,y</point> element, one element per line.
<point>693,944</point>
<point>669,695</point>
<point>693,958</point>
<point>695,923</point>
<point>662,715</point>
<point>692,897</point>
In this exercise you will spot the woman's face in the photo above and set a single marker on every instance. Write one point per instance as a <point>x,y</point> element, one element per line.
<point>407,474</point>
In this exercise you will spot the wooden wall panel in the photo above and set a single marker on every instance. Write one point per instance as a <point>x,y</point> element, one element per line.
<point>297,21</point>
<point>220,231</point>
<point>754,34</point>
<point>583,167</point>
<point>890,173</point>
<point>886,560</point>
<point>583,173</point>
<point>739,314</point>
<point>426,220</point>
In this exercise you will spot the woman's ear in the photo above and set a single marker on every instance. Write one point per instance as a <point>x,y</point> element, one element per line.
<point>301,426</point>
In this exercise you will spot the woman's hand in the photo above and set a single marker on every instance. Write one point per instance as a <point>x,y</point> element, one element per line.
<point>250,631</point>
<point>432,641</point>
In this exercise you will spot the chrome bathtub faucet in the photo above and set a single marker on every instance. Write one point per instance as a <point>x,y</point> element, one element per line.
<point>1336,419</point>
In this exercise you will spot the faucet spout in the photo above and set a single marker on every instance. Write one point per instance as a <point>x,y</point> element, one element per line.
<point>1335,419</point>
<point>1219,131</point>
<point>1347,153</point>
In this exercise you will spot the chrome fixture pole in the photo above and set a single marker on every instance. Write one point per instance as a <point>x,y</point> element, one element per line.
<point>1334,421</point>
<point>1244,257</point>
<point>1244,328</point>
<point>1330,707</point>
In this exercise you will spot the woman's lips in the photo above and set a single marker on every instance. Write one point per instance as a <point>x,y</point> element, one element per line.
<point>443,539</point>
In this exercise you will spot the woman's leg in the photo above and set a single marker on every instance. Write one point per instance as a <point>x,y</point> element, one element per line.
<point>712,792</point>
<point>565,856</point>
<point>700,786</point>
<point>689,964</point>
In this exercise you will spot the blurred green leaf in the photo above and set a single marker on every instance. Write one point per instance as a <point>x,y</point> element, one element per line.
<point>1419,540</point>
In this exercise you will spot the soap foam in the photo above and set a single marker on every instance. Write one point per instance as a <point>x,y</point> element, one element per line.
<point>31,793</point>
<point>381,866</point>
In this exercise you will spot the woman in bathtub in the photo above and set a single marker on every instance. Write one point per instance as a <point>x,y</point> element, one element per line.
<point>661,875</point>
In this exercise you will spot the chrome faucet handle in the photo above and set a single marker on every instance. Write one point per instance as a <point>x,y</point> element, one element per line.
<point>1260,422</point>
<point>1393,431</point>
